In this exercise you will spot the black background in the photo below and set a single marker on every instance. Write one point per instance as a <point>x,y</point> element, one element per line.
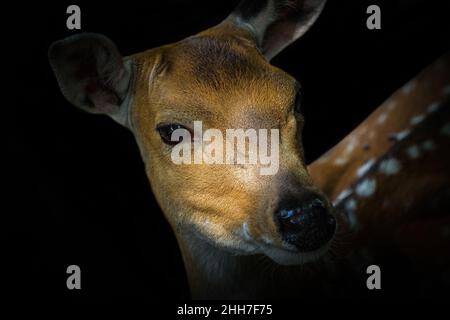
<point>77,192</point>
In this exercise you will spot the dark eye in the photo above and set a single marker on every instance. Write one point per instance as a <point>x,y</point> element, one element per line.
<point>298,107</point>
<point>166,131</point>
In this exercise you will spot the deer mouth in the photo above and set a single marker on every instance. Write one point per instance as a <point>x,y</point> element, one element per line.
<point>292,256</point>
<point>285,253</point>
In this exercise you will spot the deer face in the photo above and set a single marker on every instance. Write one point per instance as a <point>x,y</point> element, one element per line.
<point>221,78</point>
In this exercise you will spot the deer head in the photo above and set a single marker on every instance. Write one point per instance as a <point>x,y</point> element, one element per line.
<point>223,78</point>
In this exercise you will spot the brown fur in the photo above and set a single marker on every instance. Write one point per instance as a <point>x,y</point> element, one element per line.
<point>222,78</point>
<point>219,77</point>
<point>408,211</point>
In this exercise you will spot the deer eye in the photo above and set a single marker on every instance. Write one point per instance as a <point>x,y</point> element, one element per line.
<point>166,130</point>
<point>298,107</point>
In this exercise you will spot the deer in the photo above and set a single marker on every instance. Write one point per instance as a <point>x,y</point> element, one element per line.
<point>241,234</point>
<point>389,182</point>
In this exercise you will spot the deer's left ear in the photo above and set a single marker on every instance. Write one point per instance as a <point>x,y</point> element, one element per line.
<point>276,23</point>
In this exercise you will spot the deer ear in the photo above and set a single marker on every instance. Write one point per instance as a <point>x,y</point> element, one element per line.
<point>276,23</point>
<point>92,74</point>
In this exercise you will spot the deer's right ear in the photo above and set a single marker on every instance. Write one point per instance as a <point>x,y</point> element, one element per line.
<point>93,75</point>
<point>276,23</point>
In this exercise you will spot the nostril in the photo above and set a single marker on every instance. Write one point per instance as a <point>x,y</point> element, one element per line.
<point>331,220</point>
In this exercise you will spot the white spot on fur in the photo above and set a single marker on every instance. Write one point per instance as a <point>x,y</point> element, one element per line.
<point>391,106</point>
<point>409,87</point>
<point>402,134</point>
<point>428,145</point>
<point>366,188</point>
<point>351,205</point>
<point>445,130</point>
<point>390,166</point>
<point>433,107</point>
<point>417,119</point>
<point>351,145</point>
<point>382,118</point>
<point>365,167</point>
<point>352,220</point>
<point>340,161</point>
<point>344,194</point>
<point>413,152</point>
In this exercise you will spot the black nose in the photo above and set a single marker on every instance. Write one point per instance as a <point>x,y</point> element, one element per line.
<point>306,224</point>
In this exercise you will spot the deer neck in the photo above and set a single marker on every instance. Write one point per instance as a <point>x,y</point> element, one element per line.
<point>215,273</point>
